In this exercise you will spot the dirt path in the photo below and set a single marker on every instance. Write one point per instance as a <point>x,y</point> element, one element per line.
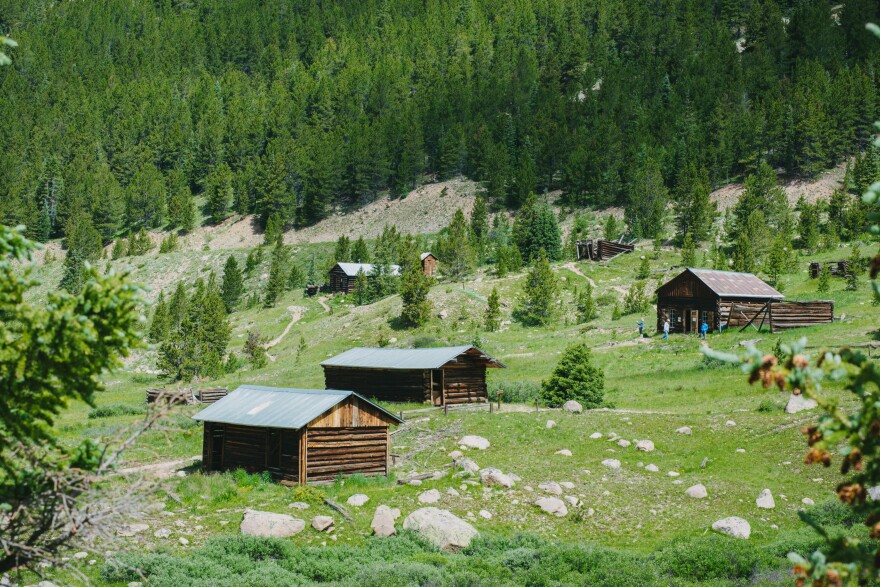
<point>323,301</point>
<point>572,266</point>
<point>161,470</point>
<point>296,313</point>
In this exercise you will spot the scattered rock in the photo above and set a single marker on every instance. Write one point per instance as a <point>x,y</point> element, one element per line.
<point>441,528</point>
<point>80,555</point>
<point>477,442</point>
<point>257,523</point>
<point>573,407</point>
<point>740,450</point>
<point>596,435</point>
<point>415,482</point>
<point>491,476</point>
<point>442,314</point>
<point>358,499</point>
<point>552,505</point>
<point>161,533</point>
<point>129,530</point>
<point>799,403</point>
<point>485,514</point>
<point>733,526</point>
<point>452,491</point>
<point>808,501</point>
<point>383,521</point>
<point>573,501</point>
<point>874,492</point>
<point>551,487</point>
<point>430,496</point>
<point>673,473</point>
<point>611,463</point>
<point>466,465</point>
<point>730,423</point>
<point>652,468</point>
<point>684,430</point>
<point>645,445</point>
<point>567,484</point>
<point>456,454</point>
<point>551,424</point>
<point>299,505</point>
<point>697,491</point>
<point>623,442</point>
<point>184,542</point>
<point>765,500</point>
<point>564,452</point>
<point>321,523</point>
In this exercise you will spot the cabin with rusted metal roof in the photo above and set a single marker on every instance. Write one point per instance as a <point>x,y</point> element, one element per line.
<point>296,435</point>
<point>441,376</point>
<point>719,298</point>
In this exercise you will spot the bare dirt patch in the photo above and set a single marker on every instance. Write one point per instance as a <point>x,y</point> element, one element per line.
<point>812,190</point>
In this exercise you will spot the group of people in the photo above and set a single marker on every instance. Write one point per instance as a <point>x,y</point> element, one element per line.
<point>704,328</point>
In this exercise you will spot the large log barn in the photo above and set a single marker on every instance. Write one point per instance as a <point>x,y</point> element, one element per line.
<point>718,297</point>
<point>441,376</point>
<point>297,435</point>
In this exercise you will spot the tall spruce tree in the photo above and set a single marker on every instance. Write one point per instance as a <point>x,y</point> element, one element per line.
<point>160,326</point>
<point>278,274</point>
<point>456,248</point>
<point>233,284</point>
<point>492,316</point>
<point>414,288</point>
<point>538,303</point>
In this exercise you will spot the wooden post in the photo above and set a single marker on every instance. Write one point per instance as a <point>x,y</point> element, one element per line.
<point>445,409</point>
<point>303,455</point>
<point>490,407</point>
<point>400,413</point>
<point>443,386</point>
<point>387,451</point>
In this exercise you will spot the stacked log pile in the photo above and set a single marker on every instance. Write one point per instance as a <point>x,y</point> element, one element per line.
<point>787,315</point>
<point>171,396</point>
<point>212,394</point>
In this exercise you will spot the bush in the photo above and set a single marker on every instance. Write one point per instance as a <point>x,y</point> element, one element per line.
<point>515,392</point>
<point>711,557</point>
<point>574,378</point>
<point>426,341</point>
<point>766,406</point>
<point>306,493</point>
<point>113,410</point>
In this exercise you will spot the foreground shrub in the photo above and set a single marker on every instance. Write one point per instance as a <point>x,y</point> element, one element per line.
<point>711,557</point>
<point>515,392</point>
<point>113,410</point>
<point>574,378</point>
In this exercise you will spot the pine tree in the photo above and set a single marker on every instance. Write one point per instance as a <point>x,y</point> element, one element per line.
<point>480,228</point>
<point>534,228</point>
<point>615,312</point>
<point>161,324</point>
<point>456,249</point>
<point>538,303</point>
<point>693,207</point>
<point>492,316</point>
<point>233,284</point>
<point>277,282</point>
<point>575,378</point>
<point>255,350</point>
<point>688,251</point>
<point>254,258</point>
<point>824,283</point>
<point>743,255</point>
<point>362,288</point>
<point>296,278</point>
<point>360,253</point>
<point>83,246</point>
<point>854,268</point>
<point>776,263</point>
<point>342,252</point>
<point>219,193</point>
<point>214,333</point>
<point>647,200</point>
<point>414,288</point>
<point>611,231</point>
<point>644,270</point>
<point>274,230</point>
<point>635,301</point>
<point>586,305</point>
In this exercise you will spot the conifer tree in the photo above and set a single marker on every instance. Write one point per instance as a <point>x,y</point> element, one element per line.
<point>414,288</point>
<point>83,246</point>
<point>644,270</point>
<point>534,228</point>
<point>360,252</point>
<point>647,200</point>
<point>342,252</point>
<point>693,208</point>
<point>824,283</point>
<point>233,284</point>
<point>688,251</point>
<point>575,378</point>
<point>492,316</point>
<point>480,228</point>
<point>161,324</point>
<point>295,278</point>
<point>277,282</point>
<point>854,268</point>
<point>586,305</point>
<point>611,230</point>
<point>775,264</point>
<point>743,255</point>
<point>255,350</point>
<point>362,288</point>
<point>538,303</point>
<point>274,230</point>
<point>456,249</point>
<point>220,193</point>
<point>253,261</point>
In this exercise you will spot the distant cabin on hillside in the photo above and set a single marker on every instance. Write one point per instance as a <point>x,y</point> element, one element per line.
<point>343,275</point>
<point>718,297</point>
<point>297,435</point>
<point>429,264</point>
<point>446,375</point>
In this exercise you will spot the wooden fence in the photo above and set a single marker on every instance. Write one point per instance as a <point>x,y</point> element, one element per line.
<point>782,315</point>
<point>186,395</point>
<point>837,268</point>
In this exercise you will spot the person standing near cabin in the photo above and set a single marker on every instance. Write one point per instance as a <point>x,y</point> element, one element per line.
<point>641,325</point>
<point>666,329</point>
<point>704,328</point>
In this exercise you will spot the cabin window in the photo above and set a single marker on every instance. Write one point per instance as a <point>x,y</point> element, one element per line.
<point>672,316</point>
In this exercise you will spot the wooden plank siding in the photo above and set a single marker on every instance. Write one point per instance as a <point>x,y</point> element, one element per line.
<point>391,385</point>
<point>346,450</point>
<point>786,315</point>
<point>227,447</point>
<point>340,282</point>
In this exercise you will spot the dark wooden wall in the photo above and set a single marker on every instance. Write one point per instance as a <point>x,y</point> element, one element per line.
<point>346,451</point>
<point>786,315</point>
<point>340,282</point>
<point>392,385</point>
<point>227,447</point>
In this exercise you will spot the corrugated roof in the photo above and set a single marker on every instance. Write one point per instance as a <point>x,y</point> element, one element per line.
<point>276,407</point>
<point>372,358</point>
<point>731,284</point>
<point>352,269</point>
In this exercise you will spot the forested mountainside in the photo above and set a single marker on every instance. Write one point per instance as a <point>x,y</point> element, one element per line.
<point>127,112</point>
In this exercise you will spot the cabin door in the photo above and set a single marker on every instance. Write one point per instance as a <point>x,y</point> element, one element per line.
<point>695,321</point>
<point>437,387</point>
<point>273,452</point>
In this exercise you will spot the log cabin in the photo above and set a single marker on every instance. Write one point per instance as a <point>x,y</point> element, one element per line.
<point>719,298</point>
<point>441,376</point>
<point>343,275</point>
<point>296,435</point>
<point>429,264</point>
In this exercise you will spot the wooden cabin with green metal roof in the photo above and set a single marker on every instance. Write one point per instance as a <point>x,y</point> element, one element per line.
<point>296,435</point>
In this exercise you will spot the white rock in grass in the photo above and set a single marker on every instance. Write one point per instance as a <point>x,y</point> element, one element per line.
<point>467,465</point>
<point>414,482</point>
<point>441,528</point>
<point>161,533</point>
<point>730,423</point>
<point>733,526</point>
<point>430,496</point>
<point>270,525</point>
<point>611,463</point>
<point>741,450</point>
<point>81,555</point>
<point>573,501</point>
<point>573,407</point>
<point>564,452</point>
<point>551,487</point>
<point>453,492</point>
<point>358,499</point>
<point>552,505</point>
<point>567,484</point>
<point>477,442</point>
<point>485,514</point>
<point>129,530</point>
<point>551,424</point>
<point>645,445</point>
<point>697,491</point>
<point>321,523</point>
<point>652,468</point>
<point>673,473</point>
<point>765,500</point>
<point>456,454</point>
<point>182,541</point>
<point>808,501</point>
<point>300,505</point>
<point>623,442</point>
<point>799,403</point>
<point>596,435</point>
<point>684,430</point>
<point>874,492</point>
<point>491,477</point>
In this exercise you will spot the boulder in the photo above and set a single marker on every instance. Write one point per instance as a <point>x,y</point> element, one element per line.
<point>611,463</point>
<point>183,541</point>
<point>874,492</point>
<point>321,523</point>
<point>161,533</point>
<point>573,501</point>
<point>645,445</point>
<point>452,491</point>
<point>485,514</point>
<point>477,442</point>
<point>552,505</point>
<point>652,468</point>
<point>596,435</point>
<point>455,455</point>
<point>430,496</point>
<point>467,465</point>
<point>383,521</point>
<point>730,423</point>
<point>441,528</point>
<point>567,484</point>
<point>573,407</point>
<point>551,487</point>
<point>733,526</point>
<point>799,403</point>
<point>765,500</point>
<point>564,452</point>
<point>442,314</point>
<point>491,476</point>
<point>697,491</point>
<point>673,473</point>
<point>551,424</point>
<point>623,443</point>
<point>358,499</point>
<point>684,430</point>
<point>270,525</point>
<point>808,501</point>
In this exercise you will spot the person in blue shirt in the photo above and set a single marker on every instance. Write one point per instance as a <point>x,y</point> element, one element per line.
<point>641,325</point>
<point>704,328</point>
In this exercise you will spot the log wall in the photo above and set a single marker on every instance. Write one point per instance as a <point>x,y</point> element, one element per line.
<point>393,385</point>
<point>738,313</point>
<point>787,315</point>
<point>465,384</point>
<point>227,447</point>
<point>601,249</point>
<point>346,451</point>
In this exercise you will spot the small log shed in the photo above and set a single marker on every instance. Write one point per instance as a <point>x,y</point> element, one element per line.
<point>343,275</point>
<point>429,264</point>
<point>297,435</point>
<point>441,376</point>
<point>718,297</point>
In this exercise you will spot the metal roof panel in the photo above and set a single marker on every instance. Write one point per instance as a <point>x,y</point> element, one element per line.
<point>379,358</point>
<point>732,284</point>
<point>352,269</point>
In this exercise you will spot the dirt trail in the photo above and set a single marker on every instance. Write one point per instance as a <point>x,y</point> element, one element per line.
<point>323,301</point>
<point>162,470</point>
<point>572,266</point>
<point>296,313</point>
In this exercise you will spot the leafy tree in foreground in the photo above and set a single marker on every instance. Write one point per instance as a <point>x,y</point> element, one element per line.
<point>538,303</point>
<point>52,355</point>
<point>492,317</point>
<point>575,378</point>
<point>414,288</point>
